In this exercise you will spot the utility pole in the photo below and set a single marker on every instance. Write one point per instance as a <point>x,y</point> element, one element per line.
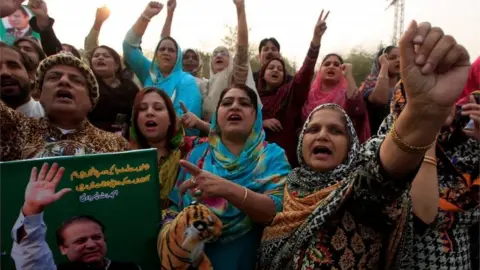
<point>398,19</point>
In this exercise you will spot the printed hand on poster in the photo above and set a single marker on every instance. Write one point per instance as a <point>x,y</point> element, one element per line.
<point>121,190</point>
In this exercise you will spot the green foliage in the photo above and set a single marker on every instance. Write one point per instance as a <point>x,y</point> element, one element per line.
<point>362,63</point>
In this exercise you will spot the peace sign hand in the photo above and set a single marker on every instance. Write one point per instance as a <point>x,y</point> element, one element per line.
<point>204,184</point>
<point>40,191</point>
<point>435,76</point>
<point>320,27</point>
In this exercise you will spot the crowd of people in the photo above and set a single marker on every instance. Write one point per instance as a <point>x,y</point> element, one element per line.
<point>267,170</point>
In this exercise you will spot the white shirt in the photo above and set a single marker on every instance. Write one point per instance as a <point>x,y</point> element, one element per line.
<point>32,108</point>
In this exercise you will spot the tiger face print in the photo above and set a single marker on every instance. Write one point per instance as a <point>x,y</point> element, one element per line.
<point>181,242</point>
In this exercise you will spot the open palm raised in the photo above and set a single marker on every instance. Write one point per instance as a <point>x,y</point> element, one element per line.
<point>435,74</point>
<point>40,191</point>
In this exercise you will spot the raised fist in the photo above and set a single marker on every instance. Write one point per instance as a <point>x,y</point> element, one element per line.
<point>436,73</point>
<point>102,14</point>
<point>239,2</point>
<point>38,8</point>
<point>171,5</point>
<point>347,69</point>
<point>153,9</point>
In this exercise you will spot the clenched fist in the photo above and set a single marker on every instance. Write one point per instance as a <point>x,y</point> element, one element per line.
<point>435,74</point>
<point>153,9</point>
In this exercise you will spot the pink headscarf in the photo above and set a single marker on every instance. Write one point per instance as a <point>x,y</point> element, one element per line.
<point>473,82</point>
<point>337,95</point>
<point>318,97</point>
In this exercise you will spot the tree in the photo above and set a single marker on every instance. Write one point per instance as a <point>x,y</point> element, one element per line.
<point>362,63</point>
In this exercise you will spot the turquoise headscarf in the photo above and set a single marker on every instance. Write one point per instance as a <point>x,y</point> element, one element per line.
<point>260,167</point>
<point>179,85</point>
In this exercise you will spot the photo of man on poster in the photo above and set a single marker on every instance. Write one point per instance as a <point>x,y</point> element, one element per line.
<point>81,239</point>
<point>18,23</point>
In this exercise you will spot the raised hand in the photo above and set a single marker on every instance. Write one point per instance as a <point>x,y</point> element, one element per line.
<point>203,183</point>
<point>320,26</point>
<point>171,5</point>
<point>38,8</point>
<point>153,9</point>
<point>434,77</point>
<point>40,191</point>
<point>102,14</point>
<point>384,63</point>
<point>239,3</point>
<point>272,124</point>
<point>347,69</point>
<point>188,119</point>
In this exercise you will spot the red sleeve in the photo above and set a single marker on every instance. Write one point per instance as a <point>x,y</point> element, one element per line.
<point>301,81</point>
<point>355,107</point>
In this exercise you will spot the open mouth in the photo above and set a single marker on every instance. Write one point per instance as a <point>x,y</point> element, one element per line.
<point>101,64</point>
<point>151,124</point>
<point>64,94</point>
<point>275,76</point>
<point>322,150</point>
<point>219,61</point>
<point>234,117</point>
<point>331,73</point>
<point>9,84</point>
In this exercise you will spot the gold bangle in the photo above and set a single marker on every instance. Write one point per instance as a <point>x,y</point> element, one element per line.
<point>406,147</point>
<point>431,162</point>
<point>145,17</point>
<point>244,196</point>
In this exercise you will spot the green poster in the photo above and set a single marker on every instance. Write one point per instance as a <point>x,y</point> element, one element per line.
<point>119,189</point>
<point>17,25</point>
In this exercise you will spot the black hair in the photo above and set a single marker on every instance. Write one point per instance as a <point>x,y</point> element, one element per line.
<point>264,42</point>
<point>38,48</point>
<point>387,49</point>
<point>167,38</point>
<point>333,54</point>
<point>65,224</point>
<point>116,57</point>
<point>24,58</point>
<point>249,91</point>
<point>74,51</point>
<point>24,11</point>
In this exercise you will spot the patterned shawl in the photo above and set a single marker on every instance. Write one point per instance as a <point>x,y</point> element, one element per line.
<point>310,199</point>
<point>260,167</point>
<point>458,176</point>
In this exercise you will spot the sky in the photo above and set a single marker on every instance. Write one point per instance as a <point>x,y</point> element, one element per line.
<point>201,24</point>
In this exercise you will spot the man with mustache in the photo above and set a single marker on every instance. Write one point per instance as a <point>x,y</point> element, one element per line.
<point>16,73</point>
<point>68,91</point>
<point>269,48</point>
<point>81,239</point>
